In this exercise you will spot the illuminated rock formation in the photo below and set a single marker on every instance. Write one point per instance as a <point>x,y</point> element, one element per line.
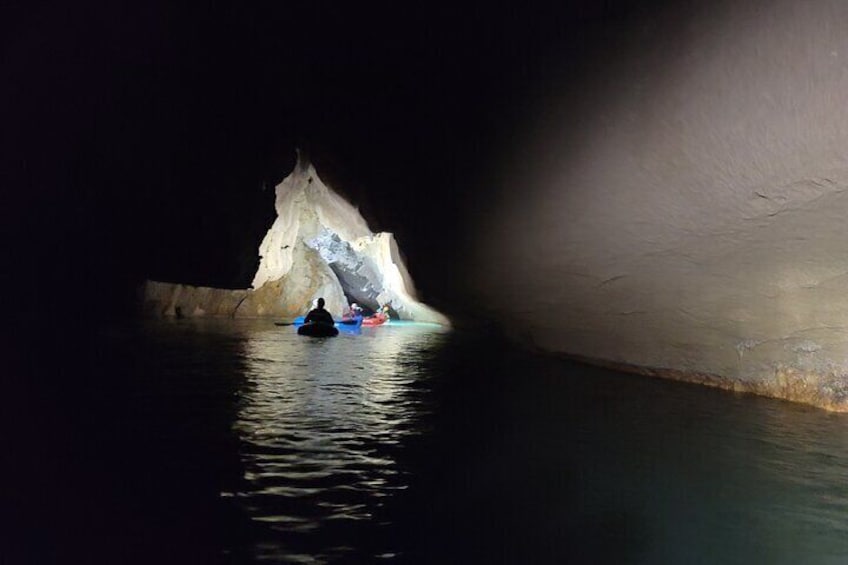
<point>318,246</point>
<point>182,300</point>
<point>689,219</point>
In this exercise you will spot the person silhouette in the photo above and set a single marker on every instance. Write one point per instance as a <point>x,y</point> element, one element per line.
<point>318,314</point>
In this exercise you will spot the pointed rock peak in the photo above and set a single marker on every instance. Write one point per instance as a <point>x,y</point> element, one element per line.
<point>363,267</point>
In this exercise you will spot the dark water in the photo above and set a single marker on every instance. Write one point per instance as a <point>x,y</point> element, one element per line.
<point>227,442</point>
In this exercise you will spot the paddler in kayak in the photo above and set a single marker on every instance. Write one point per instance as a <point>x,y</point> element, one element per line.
<point>318,314</point>
<point>379,317</point>
<point>352,314</point>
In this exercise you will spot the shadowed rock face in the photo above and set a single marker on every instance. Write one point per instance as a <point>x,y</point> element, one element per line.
<point>691,221</point>
<point>358,275</point>
<point>319,246</point>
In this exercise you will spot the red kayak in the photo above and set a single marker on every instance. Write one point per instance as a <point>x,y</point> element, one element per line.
<point>376,320</point>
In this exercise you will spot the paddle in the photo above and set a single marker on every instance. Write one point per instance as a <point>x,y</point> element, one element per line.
<point>296,322</point>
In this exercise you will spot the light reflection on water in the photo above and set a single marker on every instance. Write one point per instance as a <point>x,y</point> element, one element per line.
<point>318,421</point>
<point>426,446</point>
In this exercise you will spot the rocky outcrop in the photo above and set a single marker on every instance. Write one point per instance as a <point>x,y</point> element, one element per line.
<point>689,220</point>
<point>289,295</point>
<point>318,246</point>
<point>161,299</point>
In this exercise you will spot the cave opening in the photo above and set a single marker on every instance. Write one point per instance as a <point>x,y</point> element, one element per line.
<point>358,275</point>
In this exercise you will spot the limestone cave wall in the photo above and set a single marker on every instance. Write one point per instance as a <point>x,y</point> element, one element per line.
<point>689,218</point>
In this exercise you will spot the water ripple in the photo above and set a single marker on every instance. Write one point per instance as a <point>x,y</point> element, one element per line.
<point>406,444</point>
<point>319,423</point>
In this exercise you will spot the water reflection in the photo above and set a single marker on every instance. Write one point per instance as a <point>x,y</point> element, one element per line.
<point>434,448</point>
<point>320,422</point>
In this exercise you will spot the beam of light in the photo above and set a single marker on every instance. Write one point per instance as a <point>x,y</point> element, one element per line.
<point>699,173</point>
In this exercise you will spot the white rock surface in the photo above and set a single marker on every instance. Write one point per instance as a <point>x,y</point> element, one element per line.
<point>316,238</point>
<point>692,215</point>
<point>309,213</point>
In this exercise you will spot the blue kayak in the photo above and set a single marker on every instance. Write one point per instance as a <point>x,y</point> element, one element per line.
<point>356,321</point>
<point>349,322</point>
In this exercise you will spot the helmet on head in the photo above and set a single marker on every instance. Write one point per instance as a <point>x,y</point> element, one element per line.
<point>320,303</point>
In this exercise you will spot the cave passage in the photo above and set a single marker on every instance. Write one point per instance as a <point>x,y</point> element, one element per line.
<point>358,275</point>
